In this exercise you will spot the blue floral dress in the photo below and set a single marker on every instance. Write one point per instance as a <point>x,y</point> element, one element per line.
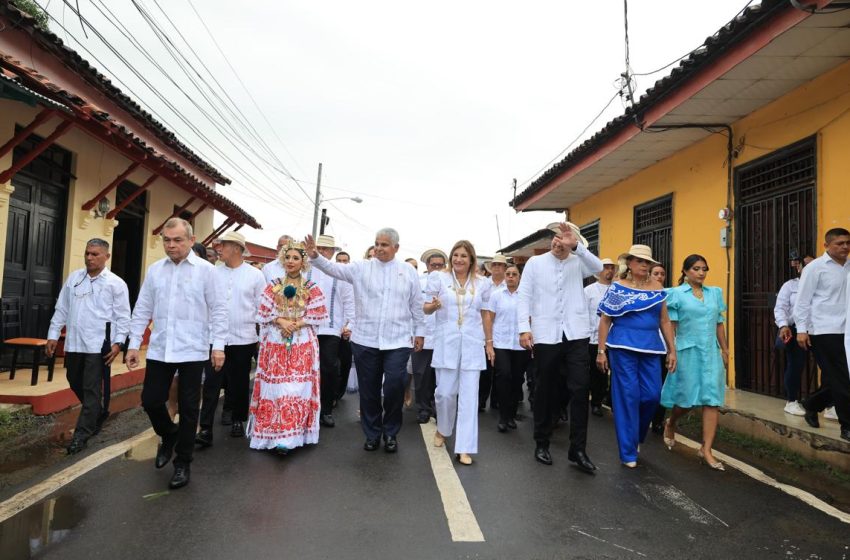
<point>700,376</point>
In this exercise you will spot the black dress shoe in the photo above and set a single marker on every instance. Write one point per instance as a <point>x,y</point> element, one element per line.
<point>76,445</point>
<point>811,418</point>
<point>165,450</point>
<point>423,418</point>
<point>542,455</point>
<point>502,427</point>
<point>845,434</point>
<point>180,478</point>
<point>582,461</point>
<point>327,420</point>
<point>226,417</point>
<point>596,410</point>
<point>237,429</point>
<point>371,444</point>
<point>390,444</point>
<point>511,424</point>
<point>204,438</point>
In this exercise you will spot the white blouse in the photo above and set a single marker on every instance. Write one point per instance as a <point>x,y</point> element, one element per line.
<point>505,333</point>
<point>459,329</point>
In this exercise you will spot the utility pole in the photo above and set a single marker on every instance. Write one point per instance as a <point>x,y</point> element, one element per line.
<point>317,203</point>
<point>325,220</point>
<point>498,231</point>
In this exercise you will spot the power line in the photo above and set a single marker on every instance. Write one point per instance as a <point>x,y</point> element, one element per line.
<point>154,90</point>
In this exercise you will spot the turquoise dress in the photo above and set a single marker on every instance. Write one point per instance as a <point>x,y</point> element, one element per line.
<point>700,377</point>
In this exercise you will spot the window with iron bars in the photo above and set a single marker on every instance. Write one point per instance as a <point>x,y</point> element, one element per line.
<point>653,226</point>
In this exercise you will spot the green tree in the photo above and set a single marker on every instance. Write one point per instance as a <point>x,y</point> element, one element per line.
<point>31,8</point>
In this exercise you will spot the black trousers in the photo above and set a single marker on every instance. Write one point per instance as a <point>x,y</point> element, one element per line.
<point>85,376</point>
<point>381,417</point>
<point>328,370</point>
<point>486,388</point>
<point>568,360</point>
<point>510,372</point>
<point>235,378</point>
<point>600,389</point>
<point>424,382</point>
<point>345,360</point>
<point>158,376</point>
<point>835,378</point>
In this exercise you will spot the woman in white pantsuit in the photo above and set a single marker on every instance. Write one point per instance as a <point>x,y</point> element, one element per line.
<point>459,300</point>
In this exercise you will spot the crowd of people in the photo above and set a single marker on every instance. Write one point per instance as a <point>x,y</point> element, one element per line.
<point>460,337</point>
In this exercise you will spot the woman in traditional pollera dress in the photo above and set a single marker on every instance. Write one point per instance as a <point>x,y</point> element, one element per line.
<point>285,402</point>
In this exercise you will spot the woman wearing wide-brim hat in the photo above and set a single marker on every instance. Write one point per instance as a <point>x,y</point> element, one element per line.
<point>636,330</point>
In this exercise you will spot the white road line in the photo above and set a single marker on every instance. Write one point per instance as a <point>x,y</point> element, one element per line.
<point>38,492</point>
<point>580,532</point>
<point>462,523</point>
<point>759,475</point>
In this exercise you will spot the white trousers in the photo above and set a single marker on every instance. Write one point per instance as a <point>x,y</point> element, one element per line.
<point>456,396</point>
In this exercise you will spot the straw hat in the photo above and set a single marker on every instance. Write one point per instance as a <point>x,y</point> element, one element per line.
<point>639,251</point>
<point>432,253</point>
<point>498,259</point>
<point>576,230</point>
<point>234,237</point>
<point>327,242</point>
<point>606,262</point>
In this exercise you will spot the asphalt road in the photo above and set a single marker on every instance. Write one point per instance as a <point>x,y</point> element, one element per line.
<point>335,500</point>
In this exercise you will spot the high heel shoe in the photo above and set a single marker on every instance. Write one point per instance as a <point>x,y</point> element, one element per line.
<point>439,439</point>
<point>718,466</point>
<point>464,459</point>
<point>669,442</point>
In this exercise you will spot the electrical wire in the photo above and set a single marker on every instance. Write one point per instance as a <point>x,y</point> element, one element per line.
<point>249,178</point>
<point>570,145</point>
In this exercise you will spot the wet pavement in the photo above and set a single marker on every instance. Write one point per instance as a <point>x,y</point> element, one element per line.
<point>335,500</point>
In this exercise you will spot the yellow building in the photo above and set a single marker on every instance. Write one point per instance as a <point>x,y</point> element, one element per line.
<point>753,126</point>
<point>78,160</point>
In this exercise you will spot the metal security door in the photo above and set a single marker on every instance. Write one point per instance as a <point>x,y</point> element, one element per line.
<point>775,214</point>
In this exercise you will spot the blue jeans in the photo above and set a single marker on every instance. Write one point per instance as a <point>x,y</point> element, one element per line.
<point>380,418</point>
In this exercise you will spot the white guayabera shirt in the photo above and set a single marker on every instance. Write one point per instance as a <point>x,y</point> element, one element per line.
<point>387,301</point>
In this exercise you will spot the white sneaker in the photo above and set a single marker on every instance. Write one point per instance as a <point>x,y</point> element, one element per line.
<point>794,408</point>
<point>829,414</point>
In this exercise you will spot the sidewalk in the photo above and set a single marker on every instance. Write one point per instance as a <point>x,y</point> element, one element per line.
<point>49,397</point>
<point>763,417</point>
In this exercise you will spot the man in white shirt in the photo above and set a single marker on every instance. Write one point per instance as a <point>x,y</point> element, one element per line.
<point>94,306</point>
<point>795,357</point>
<point>388,306</point>
<point>240,286</point>
<point>179,296</point>
<point>820,313</point>
<point>274,269</point>
<point>424,376</point>
<point>339,300</point>
<point>487,387</point>
<point>594,293</point>
<point>553,323</point>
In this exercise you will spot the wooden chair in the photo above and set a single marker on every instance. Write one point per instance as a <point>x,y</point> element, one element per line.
<point>10,315</point>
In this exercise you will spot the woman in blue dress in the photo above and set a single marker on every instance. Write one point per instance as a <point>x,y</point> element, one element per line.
<point>697,311</point>
<point>636,331</point>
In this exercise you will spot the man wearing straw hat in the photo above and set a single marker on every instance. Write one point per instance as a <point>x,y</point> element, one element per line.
<point>424,376</point>
<point>487,389</point>
<point>594,293</point>
<point>339,299</point>
<point>240,286</point>
<point>553,323</point>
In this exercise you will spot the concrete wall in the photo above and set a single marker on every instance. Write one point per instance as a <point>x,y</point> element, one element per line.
<point>95,165</point>
<point>696,176</point>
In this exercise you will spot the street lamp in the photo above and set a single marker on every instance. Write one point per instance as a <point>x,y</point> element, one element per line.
<point>320,200</point>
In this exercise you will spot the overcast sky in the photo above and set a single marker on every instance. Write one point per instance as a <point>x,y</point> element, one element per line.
<point>427,111</point>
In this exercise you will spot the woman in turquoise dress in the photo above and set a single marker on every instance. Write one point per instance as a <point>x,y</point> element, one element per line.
<point>697,312</point>
<point>636,333</point>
